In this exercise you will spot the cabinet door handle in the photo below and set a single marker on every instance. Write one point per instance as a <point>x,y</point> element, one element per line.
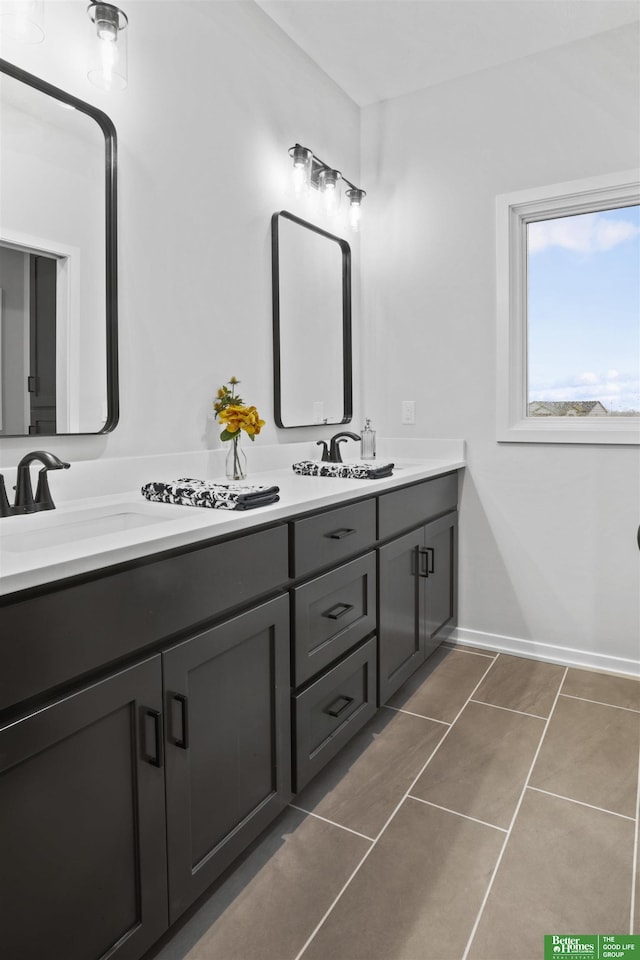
<point>333,712</point>
<point>146,714</point>
<point>181,741</point>
<point>341,534</point>
<point>426,561</point>
<point>431,560</point>
<point>338,611</point>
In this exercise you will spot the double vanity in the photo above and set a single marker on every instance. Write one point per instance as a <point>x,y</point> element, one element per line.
<point>169,677</point>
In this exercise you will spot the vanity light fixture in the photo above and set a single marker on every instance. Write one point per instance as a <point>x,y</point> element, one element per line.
<point>355,196</point>
<point>309,171</point>
<point>108,49</point>
<point>329,187</point>
<point>302,161</point>
<point>22,20</point>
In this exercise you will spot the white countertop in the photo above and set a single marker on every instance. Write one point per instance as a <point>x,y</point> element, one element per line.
<point>27,560</point>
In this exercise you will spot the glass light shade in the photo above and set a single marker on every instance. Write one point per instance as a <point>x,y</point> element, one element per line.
<point>355,207</point>
<point>22,20</point>
<point>329,186</point>
<point>302,162</point>
<point>108,47</point>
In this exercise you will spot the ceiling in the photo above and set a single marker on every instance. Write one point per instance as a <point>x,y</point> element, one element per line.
<point>378,49</point>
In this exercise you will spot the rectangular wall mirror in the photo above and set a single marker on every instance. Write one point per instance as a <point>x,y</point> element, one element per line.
<point>58,281</point>
<point>312,354</point>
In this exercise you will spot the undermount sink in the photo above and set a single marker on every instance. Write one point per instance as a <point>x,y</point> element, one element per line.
<point>63,528</point>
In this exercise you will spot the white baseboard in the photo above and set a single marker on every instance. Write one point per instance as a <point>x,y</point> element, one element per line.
<point>545,651</point>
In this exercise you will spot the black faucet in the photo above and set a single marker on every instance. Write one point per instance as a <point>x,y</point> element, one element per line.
<point>332,455</point>
<point>25,502</point>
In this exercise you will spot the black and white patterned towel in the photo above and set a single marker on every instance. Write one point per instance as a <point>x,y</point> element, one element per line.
<point>209,493</point>
<point>355,471</point>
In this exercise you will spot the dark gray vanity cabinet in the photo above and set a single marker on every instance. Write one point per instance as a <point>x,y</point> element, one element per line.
<point>417,578</point>
<point>330,711</point>
<point>92,864</point>
<point>82,823</point>
<point>401,633</point>
<point>228,744</point>
<point>334,648</point>
<point>156,715</point>
<point>439,572</point>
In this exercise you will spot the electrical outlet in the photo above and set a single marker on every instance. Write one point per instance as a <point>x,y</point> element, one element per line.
<point>408,411</point>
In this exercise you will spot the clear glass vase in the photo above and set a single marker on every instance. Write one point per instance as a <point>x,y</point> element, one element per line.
<point>236,463</point>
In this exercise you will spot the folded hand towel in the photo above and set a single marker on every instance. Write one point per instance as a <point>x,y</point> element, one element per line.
<point>209,493</point>
<point>355,471</point>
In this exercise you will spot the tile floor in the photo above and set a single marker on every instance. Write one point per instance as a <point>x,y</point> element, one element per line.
<point>495,799</point>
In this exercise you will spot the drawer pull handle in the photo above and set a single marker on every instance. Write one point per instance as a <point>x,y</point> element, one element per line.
<point>338,611</point>
<point>181,741</point>
<point>333,712</point>
<point>155,758</point>
<point>341,534</point>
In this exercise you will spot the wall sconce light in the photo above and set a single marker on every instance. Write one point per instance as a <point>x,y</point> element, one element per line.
<point>108,49</point>
<point>355,206</point>
<point>22,20</point>
<point>329,187</point>
<point>310,171</point>
<point>302,160</point>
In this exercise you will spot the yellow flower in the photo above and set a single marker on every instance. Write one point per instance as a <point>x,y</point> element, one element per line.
<point>234,415</point>
<point>236,418</point>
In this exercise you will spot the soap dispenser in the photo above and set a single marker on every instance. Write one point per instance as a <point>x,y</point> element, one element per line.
<point>368,441</point>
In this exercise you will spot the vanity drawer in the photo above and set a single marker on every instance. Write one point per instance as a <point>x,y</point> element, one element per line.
<point>402,509</point>
<point>331,614</point>
<point>328,538</point>
<point>332,710</point>
<point>51,639</point>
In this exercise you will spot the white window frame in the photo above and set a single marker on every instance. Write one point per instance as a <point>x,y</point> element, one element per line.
<point>514,212</point>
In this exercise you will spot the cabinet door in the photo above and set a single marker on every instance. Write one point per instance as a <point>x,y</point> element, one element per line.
<point>401,637</point>
<point>82,825</point>
<point>438,567</point>
<point>228,750</point>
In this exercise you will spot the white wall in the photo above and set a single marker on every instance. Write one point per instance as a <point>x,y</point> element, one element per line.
<point>217,94</point>
<point>548,550</point>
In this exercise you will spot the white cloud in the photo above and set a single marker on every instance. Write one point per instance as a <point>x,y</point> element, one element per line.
<point>614,390</point>
<point>588,233</point>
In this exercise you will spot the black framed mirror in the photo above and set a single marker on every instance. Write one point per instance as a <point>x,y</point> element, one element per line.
<point>312,354</point>
<point>58,261</point>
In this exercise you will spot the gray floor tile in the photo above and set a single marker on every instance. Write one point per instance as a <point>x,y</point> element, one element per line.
<point>442,685</point>
<point>566,869</point>
<point>603,687</point>
<point>519,684</point>
<point>483,764</point>
<point>417,894</point>
<point>269,905</point>
<point>590,753</point>
<point>362,786</point>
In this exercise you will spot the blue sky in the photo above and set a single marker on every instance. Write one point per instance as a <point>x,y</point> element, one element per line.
<point>584,308</point>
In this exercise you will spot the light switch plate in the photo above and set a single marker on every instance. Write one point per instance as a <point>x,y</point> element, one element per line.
<point>408,411</point>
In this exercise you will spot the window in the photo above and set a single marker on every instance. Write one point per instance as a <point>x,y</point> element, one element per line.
<point>568,285</point>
